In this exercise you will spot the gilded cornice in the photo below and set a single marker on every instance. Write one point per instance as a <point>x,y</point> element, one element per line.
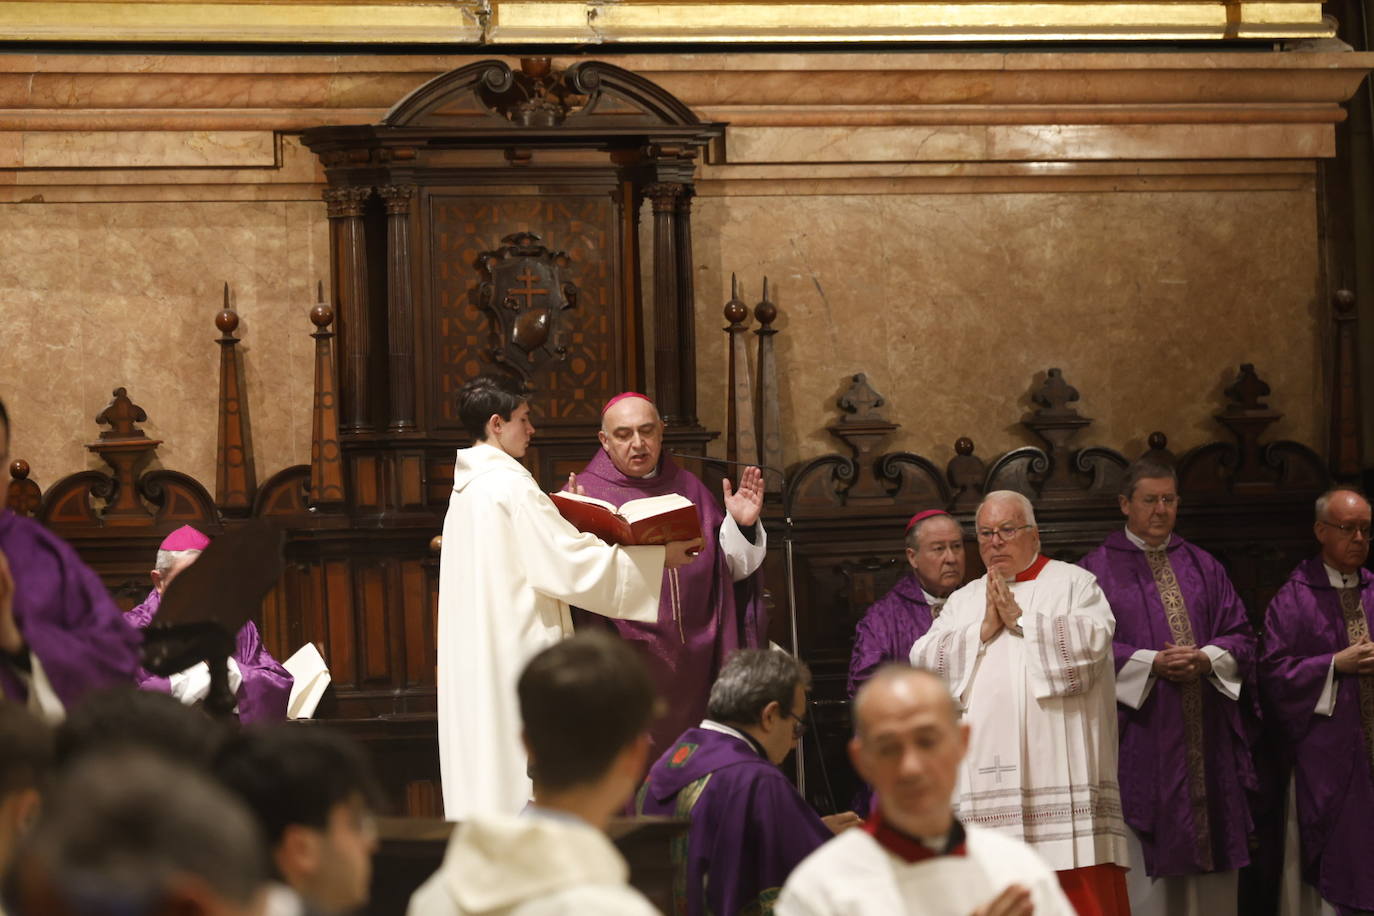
<point>580,22</point>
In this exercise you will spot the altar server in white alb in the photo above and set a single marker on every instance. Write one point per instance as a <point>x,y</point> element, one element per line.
<point>509,569</point>
<point>1027,649</point>
<point>913,856</point>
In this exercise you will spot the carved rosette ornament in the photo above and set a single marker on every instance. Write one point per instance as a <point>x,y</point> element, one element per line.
<point>525,291</point>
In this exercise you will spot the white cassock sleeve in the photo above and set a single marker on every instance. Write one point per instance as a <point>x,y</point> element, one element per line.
<point>743,557</point>
<point>1136,678</point>
<point>193,685</point>
<point>1225,676</point>
<point>576,568</point>
<point>1066,646</point>
<point>950,647</point>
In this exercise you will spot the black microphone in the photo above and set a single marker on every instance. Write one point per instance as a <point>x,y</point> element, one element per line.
<point>726,461</point>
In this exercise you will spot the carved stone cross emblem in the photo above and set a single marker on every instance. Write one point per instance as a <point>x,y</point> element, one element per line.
<point>525,290</point>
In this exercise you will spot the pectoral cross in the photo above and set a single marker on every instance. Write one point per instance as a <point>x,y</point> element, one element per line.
<point>528,291</point>
<point>997,768</point>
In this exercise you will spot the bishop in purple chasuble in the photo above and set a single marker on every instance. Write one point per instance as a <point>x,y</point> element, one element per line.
<point>1327,719</point>
<point>266,686</point>
<point>750,826</point>
<point>888,630</point>
<point>1185,764</point>
<point>69,622</point>
<point>704,614</point>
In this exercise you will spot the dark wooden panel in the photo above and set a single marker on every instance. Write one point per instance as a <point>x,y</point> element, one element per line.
<point>375,612</point>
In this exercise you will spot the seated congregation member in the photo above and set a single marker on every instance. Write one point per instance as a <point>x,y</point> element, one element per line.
<point>706,610</point>
<point>61,633</point>
<point>1027,650</point>
<point>587,704</point>
<point>26,752</point>
<point>510,567</point>
<point>1184,652</point>
<point>1317,677</point>
<point>260,684</point>
<point>131,719</point>
<point>312,793</point>
<point>750,826</point>
<point>135,834</point>
<point>913,855</point>
<point>893,623</point>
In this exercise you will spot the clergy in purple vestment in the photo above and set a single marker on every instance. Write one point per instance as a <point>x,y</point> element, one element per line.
<point>60,631</point>
<point>1185,652</point>
<point>1317,679</point>
<point>893,623</point>
<point>750,826</point>
<point>261,685</point>
<point>708,608</point>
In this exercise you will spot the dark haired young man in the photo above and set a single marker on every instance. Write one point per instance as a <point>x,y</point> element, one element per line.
<point>511,565</point>
<point>587,704</point>
<point>61,634</point>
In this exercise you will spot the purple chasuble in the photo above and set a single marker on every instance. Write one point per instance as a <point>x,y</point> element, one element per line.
<point>750,827</point>
<point>66,615</point>
<point>1303,628</point>
<point>703,614</point>
<point>1154,765</point>
<point>266,686</point>
<point>888,630</point>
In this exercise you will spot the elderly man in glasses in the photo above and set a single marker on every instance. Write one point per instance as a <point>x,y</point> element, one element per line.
<point>1317,679</point>
<point>750,826</point>
<point>1027,650</point>
<point>1184,654</point>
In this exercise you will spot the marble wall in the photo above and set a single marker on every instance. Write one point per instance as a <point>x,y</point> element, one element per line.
<point>953,305</point>
<point>99,295</point>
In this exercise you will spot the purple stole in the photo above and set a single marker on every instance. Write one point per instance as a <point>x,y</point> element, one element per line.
<point>703,614</point>
<point>66,615</point>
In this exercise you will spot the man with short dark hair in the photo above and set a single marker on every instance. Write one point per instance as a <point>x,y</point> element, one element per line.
<point>587,704</point>
<point>26,752</point>
<point>133,719</point>
<point>913,855</point>
<point>750,826</point>
<point>1317,678</point>
<point>61,634</point>
<point>133,834</point>
<point>1184,651</point>
<point>313,794</point>
<point>510,567</point>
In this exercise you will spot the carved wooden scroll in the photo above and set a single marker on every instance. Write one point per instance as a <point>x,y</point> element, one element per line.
<point>235,478</point>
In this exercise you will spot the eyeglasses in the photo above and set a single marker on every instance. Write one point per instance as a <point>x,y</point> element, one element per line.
<point>798,726</point>
<point>1008,533</point>
<point>1349,531</point>
<point>1165,501</point>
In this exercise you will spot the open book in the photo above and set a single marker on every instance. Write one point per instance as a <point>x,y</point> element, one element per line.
<point>651,520</point>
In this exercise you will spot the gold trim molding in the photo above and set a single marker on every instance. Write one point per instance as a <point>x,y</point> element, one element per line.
<point>730,22</point>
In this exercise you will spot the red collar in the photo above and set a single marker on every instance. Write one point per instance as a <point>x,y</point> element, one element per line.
<point>909,849</point>
<point>1033,570</point>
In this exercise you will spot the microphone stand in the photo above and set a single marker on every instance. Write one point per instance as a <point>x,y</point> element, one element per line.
<point>789,574</point>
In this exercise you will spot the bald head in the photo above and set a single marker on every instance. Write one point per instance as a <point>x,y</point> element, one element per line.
<point>908,743</point>
<point>896,688</point>
<point>632,435</point>
<point>1342,527</point>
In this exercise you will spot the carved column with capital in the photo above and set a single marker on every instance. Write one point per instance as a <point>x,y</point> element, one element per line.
<point>674,337</point>
<point>346,234</point>
<point>400,307</point>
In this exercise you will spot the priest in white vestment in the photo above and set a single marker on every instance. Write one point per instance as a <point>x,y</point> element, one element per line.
<point>913,856</point>
<point>510,566</point>
<point>1027,649</point>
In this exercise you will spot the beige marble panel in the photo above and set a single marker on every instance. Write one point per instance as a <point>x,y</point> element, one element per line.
<point>87,149</point>
<point>94,296</point>
<point>954,304</point>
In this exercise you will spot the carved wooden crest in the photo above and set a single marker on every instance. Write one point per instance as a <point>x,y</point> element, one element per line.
<point>525,291</point>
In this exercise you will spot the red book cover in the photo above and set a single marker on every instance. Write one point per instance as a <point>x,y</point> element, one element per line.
<point>654,520</point>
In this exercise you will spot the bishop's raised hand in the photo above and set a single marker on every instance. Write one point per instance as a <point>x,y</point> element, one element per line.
<point>745,504</point>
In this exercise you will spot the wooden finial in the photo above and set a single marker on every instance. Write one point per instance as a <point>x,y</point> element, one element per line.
<point>1157,441</point>
<point>322,316</point>
<point>766,312</point>
<point>19,469</point>
<point>1344,301</point>
<point>319,291</point>
<point>736,312</point>
<point>963,445</point>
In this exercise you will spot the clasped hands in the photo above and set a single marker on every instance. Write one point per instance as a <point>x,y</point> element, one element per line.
<point>1356,658</point>
<point>1002,610</point>
<point>1181,663</point>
